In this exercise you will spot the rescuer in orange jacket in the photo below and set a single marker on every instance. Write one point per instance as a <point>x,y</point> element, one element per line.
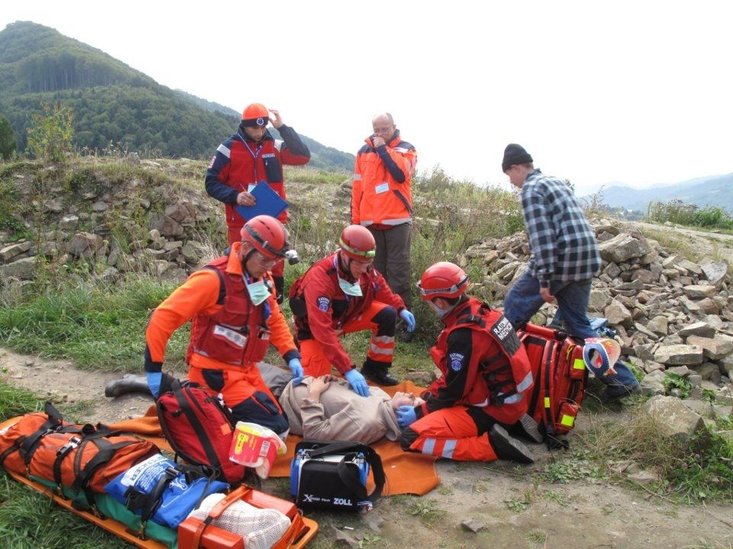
<point>381,200</point>
<point>485,378</point>
<point>235,319</point>
<point>248,157</point>
<point>343,293</point>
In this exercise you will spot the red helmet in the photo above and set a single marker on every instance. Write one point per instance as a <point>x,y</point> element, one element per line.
<point>267,235</point>
<point>255,115</point>
<point>358,243</point>
<point>444,279</point>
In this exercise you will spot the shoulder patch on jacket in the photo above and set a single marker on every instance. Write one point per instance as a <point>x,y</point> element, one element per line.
<point>323,303</point>
<point>223,149</point>
<point>455,361</point>
<point>505,335</point>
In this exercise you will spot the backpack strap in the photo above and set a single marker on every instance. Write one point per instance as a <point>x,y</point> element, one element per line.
<point>222,284</point>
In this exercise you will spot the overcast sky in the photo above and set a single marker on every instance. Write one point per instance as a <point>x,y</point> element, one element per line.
<point>638,91</point>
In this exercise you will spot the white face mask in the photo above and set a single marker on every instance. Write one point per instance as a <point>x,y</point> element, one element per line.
<point>258,292</point>
<point>349,288</point>
<point>440,313</point>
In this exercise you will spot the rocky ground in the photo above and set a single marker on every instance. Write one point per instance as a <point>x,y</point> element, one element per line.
<point>505,504</point>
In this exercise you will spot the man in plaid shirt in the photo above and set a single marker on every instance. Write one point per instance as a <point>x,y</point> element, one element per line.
<point>564,258</point>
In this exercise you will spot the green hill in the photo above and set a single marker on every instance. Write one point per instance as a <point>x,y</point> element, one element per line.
<point>113,104</point>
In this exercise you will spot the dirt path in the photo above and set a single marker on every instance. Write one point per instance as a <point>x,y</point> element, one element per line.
<point>510,507</point>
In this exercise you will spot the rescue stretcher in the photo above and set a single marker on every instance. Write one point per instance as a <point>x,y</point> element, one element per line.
<point>193,533</point>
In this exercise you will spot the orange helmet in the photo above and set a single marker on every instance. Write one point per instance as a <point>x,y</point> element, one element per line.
<point>267,235</point>
<point>443,279</point>
<point>358,243</point>
<point>255,115</point>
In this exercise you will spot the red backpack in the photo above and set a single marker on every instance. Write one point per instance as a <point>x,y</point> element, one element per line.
<point>199,428</point>
<point>560,379</point>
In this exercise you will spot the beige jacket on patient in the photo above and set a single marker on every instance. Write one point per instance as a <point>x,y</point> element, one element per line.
<point>341,414</point>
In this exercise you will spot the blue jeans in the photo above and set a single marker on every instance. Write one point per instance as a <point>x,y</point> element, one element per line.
<point>524,300</point>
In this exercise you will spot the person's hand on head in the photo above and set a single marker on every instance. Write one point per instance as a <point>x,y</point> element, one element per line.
<point>276,119</point>
<point>406,416</point>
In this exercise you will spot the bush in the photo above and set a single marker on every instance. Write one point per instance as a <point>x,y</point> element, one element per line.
<point>676,211</point>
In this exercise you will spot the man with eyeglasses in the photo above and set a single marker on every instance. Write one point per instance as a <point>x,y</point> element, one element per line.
<point>246,159</point>
<point>381,200</point>
<point>235,317</point>
<point>340,294</point>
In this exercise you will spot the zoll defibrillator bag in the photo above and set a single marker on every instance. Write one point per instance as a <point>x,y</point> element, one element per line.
<point>199,428</point>
<point>560,376</point>
<point>333,475</point>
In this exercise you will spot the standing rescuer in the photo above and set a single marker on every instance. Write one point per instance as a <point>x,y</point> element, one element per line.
<point>485,378</point>
<point>235,318</point>
<point>248,157</point>
<point>340,294</point>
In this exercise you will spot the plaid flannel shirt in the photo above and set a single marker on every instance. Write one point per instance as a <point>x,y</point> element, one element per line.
<point>562,242</point>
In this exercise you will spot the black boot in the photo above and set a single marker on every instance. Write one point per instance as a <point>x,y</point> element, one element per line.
<point>529,427</point>
<point>129,383</point>
<point>507,447</point>
<point>377,372</point>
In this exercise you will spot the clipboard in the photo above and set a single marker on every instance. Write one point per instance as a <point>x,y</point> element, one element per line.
<point>267,202</point>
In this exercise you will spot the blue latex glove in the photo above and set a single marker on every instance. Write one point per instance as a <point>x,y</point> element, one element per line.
<point>409,319</point>
<point>154,379</point>
<point>405,416</point>
<point>357,382</point>
<point>297,370</point>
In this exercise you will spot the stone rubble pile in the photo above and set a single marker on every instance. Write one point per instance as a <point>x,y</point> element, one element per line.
<point>670,314</point>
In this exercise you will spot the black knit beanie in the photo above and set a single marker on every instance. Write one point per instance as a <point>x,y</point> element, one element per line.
<point>514,154</point>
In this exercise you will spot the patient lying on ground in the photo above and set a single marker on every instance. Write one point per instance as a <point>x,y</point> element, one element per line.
<point>325,408</point>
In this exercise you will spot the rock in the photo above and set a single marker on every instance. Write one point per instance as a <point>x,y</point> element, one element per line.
<point>715,347</point>
<point>659,325</point>
<point>702,329</point>
<point>678,354</point>
<point>674,419</point>
<point>714,271</point>
<point>624,247</point>
<point>472,525</point>
<point>699,291</point>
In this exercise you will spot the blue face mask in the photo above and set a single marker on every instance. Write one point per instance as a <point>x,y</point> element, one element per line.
<point>258,292</point>
<point>349,288</point>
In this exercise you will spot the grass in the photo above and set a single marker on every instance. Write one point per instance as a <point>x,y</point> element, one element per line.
<point>96,326</point>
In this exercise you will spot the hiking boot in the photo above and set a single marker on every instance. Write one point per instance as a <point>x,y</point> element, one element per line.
<point>129,383</point>
<point>507,447</point>
<point>379,376</point>
<point>528,426</point>
<point>614,392</point>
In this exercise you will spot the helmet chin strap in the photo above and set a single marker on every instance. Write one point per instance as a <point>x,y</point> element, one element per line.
<point>245,259</point>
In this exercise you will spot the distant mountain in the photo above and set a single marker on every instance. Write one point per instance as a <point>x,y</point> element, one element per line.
<point>702,191</point>
<point>112,102</point>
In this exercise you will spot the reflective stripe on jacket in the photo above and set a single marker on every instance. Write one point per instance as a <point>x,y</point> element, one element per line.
<point>486,366</point>
<point>382,186</point>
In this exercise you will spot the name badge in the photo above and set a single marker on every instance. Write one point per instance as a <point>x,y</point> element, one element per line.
<point>382,188</point>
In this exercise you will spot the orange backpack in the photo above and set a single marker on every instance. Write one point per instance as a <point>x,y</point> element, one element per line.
<point>44,447</point>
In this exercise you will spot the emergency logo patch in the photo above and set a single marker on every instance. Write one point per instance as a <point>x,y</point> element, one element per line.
<point>506,336</point>
<point>323,303</point>
<point>455,360</point>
